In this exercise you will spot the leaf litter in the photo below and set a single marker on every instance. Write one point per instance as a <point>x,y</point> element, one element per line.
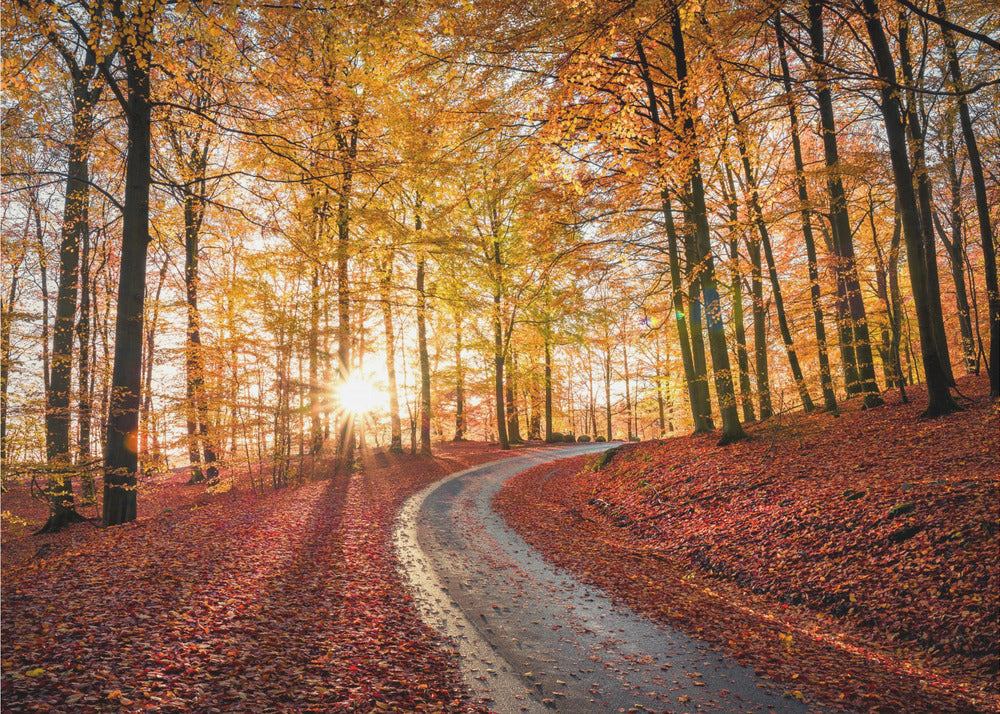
<point>852,559</point>
<point>286,601</point>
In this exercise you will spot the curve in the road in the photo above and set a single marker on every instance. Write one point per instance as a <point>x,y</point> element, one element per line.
<point>533,638</point>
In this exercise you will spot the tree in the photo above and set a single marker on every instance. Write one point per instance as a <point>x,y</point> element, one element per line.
<point>940,400</point>
<point>852,320</point>
<point>731,429</point>
<point>135,31</point>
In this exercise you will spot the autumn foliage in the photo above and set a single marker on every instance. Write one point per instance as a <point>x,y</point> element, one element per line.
<point>852,558</point>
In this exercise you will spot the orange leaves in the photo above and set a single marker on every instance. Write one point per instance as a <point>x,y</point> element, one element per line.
<point>284,601</point>
<point>784,548</point>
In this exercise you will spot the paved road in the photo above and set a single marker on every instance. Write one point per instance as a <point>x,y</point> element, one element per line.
<point>533,638</point>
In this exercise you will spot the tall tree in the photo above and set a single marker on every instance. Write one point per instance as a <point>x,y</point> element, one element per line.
<point>731,428</point>
<point>826,376</point>
<point>986,236</point>
<point>940,400</point>
<point>852,319</point>
<point>135,28</point>
<point>78,46</point>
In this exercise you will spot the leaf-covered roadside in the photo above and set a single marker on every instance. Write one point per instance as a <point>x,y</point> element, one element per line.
<point>288,601</point>
<point>854,559</point>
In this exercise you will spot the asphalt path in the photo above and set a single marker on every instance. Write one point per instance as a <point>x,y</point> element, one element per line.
<point>532,638</point>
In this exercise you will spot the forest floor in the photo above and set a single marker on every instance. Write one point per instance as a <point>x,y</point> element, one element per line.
<point>854,559</point>
<point>289,600</point>
<point>782,550</point>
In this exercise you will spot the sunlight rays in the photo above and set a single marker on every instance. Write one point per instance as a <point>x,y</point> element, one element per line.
<point>358,396</point>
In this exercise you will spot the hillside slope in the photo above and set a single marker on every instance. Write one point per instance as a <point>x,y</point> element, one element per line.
<point>854,558</point>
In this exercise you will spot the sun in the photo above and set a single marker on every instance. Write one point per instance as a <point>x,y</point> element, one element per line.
<point>358,396</point>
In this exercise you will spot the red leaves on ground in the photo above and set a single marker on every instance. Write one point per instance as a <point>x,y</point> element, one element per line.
<point>853,558</point>
<point>284,602</point>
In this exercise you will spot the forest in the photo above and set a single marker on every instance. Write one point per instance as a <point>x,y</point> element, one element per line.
<point>239,236</point>
<point>258,253</point>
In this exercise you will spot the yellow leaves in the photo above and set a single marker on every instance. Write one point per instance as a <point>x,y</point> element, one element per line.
<point>36,672</point>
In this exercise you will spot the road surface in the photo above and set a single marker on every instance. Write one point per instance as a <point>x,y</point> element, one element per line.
<point>532,638</point>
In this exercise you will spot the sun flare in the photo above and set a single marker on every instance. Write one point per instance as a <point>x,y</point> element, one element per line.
<point>358,396</point>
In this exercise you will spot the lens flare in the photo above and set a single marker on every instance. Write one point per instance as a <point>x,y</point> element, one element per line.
<point>358,396</point>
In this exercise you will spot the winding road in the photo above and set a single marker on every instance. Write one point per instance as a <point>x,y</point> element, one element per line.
<point>532,638</point>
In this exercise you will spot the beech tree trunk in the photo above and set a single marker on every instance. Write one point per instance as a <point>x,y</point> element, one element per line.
<point>955,246</point>
<point>203,467</point>
<point>607,389</point>
<point>887,285</point>
<point>736,277</point>
<point>694,302</point>
<point>852,320</point>
<point>57,395</point>
<point>425,365</point>
<point>6,323</point>
<point>85,391</point>
<point>940,400</point>
<point>548,386</point>
<point>121,457</point>
<point>731,428</point>
<point>348,144</point>
<point>826,375</point>
<point>385,298</point>
<point>498,343</point>
<point>460,422</point>
<point>922,180</point>
<point>765,409</point>
<point>701,409</point>
<point>510,393</point>
<point>982,203</point>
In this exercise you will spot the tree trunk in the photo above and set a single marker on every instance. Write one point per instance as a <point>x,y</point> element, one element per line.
<point>607,389</point>
<point>6,323</point>
<point>852,321</point>
<point>84,384</point>
<point>315,390</point>
<point>460,424</point>
<point>697,335</point>
<point>731,428</point>
<point>826,375</point>
<point>759,330</point>
<point>121,458</point>
<point>345,436</point>
<point>628,390</point>
<point>660,378</point>
<point>982,204</point>
<point>150,457</point>
<point>425,365</point>
<point>548,386</point>
<point>736,276</point>
<point>195,388</point>
<point>940,399</point>
<point>57,395</point>
<point>701,410</point>
<point>498,344</point>
<point>887,285</point>
<point>513,414</point>
<point>956,253</point>
<point>396,427</point>
<point>924,200</point>
<point>43,270</point>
